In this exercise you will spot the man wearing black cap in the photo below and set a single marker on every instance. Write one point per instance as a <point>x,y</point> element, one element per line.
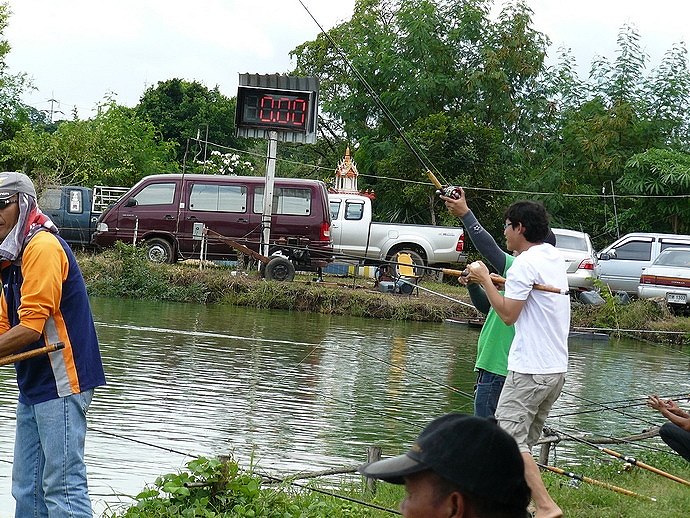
<point>43,302</point>
<point>460,466</point>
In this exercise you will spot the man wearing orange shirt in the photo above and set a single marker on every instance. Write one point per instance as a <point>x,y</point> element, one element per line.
<point>44,301</point>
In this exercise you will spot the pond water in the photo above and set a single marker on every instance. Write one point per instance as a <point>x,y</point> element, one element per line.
<point>292,392</point>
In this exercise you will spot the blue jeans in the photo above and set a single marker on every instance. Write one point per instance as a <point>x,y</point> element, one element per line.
<point>486,393</point>
<point>48,472</point>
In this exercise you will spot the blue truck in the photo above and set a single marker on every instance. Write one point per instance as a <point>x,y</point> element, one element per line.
<point>75,209</point>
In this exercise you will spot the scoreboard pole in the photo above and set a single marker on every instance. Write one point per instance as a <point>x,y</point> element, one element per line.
<point>268,192</point>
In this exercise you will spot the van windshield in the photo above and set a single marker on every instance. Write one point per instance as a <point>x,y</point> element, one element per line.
<point>156,194</point>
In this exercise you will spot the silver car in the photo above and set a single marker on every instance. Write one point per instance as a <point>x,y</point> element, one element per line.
<point>580,258</point>
<point>668,277</point>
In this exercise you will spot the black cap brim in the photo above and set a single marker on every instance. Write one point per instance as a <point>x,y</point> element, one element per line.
<point>393,470</point>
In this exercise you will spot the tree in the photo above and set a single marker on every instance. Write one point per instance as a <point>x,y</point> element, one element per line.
<point>12,112</point>
<point>183,110</point>
<point>659,172</point>
<point>114,148</point>
<point>423,59</point>
<point>600,132</point>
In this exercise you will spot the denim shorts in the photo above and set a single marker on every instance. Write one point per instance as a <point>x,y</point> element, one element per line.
<point>525,403</point>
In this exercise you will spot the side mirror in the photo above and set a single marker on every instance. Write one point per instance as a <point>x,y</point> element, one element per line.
<point>131,203</point>
<point>605,256</point>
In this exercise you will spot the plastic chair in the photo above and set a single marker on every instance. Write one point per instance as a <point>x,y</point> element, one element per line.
<point>407,279</point>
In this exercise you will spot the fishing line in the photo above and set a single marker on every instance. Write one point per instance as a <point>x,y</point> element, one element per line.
<point>402,369</point>
<point>467,188</point>
<point>605,407</point>
<point>276,341</point>
<point>614,439</point>
<point>282,480</point>
<point>632,402</point>
<point>375,96</point>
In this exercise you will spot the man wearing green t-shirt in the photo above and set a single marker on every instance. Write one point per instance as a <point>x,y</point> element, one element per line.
<point>495,337</point>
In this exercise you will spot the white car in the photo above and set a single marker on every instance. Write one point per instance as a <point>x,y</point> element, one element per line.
<point>668,277</point>
<point>580,258</point>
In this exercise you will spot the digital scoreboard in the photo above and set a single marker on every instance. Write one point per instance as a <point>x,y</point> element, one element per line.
<point>274,104</point>
<point>275,109</point>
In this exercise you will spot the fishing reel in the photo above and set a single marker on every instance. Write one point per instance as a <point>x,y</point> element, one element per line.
<point>450,191</point>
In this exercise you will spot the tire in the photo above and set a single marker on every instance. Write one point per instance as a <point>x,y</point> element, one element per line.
<point>159,250</point>
<point>279,269</point>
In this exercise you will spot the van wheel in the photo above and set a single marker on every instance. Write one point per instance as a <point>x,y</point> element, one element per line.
<point>159,250</point>
<point>279,269</point>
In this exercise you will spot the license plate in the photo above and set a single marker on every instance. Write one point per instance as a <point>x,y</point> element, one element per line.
<point>677,298</point>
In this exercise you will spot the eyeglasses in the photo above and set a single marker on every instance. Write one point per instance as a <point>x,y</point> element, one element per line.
<point>507,225</point>
<point>5,203</point>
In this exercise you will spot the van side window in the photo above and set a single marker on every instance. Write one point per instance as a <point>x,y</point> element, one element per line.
<point>156,194</point>
<point>76,205</point>
<point>354,211</point>
<point>288,201</point>
<point>50,199</point>
<point>635,251</point>
<point>218,198</point>
<point>334,206</point>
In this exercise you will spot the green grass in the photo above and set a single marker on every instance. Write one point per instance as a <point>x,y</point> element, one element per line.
<point>223,490</point>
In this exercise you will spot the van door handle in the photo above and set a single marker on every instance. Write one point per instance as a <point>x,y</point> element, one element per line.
<point>242,220</point>
<point>192,218</point>
<point>168,217</point>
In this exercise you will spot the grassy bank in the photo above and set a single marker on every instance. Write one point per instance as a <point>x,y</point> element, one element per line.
<point>124,272</point>
<point>212,488</point>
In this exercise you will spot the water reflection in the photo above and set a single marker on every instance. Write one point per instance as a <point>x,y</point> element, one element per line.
<point>294,392</point>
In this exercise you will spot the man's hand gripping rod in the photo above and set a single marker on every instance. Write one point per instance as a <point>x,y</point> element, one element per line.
<point>497,279</point>
<point>450,190</point>
<point>12,358</point>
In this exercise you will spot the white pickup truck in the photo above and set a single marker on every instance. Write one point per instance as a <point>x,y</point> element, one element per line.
<point>355,235</point>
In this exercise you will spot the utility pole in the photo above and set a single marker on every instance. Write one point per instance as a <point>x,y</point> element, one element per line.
<point>52,111</point>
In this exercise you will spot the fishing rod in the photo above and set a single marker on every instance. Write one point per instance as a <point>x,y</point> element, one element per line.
<point>630,460</point>
<point>12,358</point>
<point>593,481</point>
<point>448,191</point>
<point>328,493</point>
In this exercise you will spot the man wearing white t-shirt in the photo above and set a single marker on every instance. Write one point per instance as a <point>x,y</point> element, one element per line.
<point>538,358</point>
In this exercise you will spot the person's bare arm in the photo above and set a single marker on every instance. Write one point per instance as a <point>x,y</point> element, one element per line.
<point>16,338</point>
<point>507,309</point>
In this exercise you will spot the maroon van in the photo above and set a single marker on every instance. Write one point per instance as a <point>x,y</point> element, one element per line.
<point>161,211</point>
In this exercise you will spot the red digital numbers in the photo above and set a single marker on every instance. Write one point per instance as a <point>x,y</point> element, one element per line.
<point>290,111</point>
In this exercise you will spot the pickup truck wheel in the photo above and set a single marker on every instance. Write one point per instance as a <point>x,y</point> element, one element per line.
<point>159,250</point>
<point>279,269</point>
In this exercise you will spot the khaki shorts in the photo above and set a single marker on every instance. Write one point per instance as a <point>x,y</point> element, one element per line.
<point>525,403</point>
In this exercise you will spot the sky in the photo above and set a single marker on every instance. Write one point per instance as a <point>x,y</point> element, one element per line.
<point>77,52</point>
